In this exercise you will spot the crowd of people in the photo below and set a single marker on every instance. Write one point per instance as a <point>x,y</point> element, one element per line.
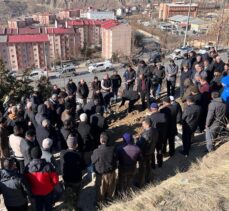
<point>72,123</point>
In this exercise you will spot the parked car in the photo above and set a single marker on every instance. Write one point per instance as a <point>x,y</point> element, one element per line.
<point>67,71</point>
<point>155,57</point>
<point>97,67</point>
<point>179,52</point>
<point>37,74</point>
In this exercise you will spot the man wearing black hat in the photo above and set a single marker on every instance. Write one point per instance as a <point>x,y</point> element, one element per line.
<point>171,115</point>
<point>12,187</point>
<point>159,121</point>
<point>190,118</point>
<point>42,178</point>
<point>128,155</point>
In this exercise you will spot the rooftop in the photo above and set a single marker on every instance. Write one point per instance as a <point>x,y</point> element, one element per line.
<point>109,24</point>
<point>60,31</point>
<point>3,39</point>
<point>27,38</point>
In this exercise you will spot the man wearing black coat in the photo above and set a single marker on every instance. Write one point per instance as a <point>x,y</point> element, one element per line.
<point>43,131</point>
<point>147,143</point>
<point>83,91</point>
<point>12,187</point>
<point>104,160</point>
<point>144,86</point>
<point>158,121</point>
<point>171,114</point>
<point>27,144</point>
<point>116,82</point>
<point>190,118</point>
<point>130,76</point>
<point>71,87</point>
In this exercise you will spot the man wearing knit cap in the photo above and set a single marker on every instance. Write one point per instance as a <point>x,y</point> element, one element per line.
<point>128,155</point>
<point>42,178</point>
<point>158,121</point>
<point>71,165</point>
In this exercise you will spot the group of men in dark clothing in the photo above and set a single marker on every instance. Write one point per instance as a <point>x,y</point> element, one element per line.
<point>74,126</point>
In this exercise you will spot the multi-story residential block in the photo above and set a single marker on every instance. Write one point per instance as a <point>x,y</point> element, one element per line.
<point>67,14</point>
<point>64,43</point>
<point>45,18</point>
<point>97,14</point>
<point>116,38</point>
<point>167,10</point>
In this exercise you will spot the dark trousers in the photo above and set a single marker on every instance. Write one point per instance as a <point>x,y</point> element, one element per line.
<point>145,172</point>
<point>131,103</point>
<point>171,139</point>
<point>145,96</point>
<point>115,93</point>
<point>20,165</point>
<point>23,207</point>
<point>44,202</point>
<point>171,87</point>
<point>186,139</point>
<point>159,150</point>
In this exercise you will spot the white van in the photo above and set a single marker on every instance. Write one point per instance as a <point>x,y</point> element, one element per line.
<point>37,74</point>
<point>97,67</point>
<point>68,71</point>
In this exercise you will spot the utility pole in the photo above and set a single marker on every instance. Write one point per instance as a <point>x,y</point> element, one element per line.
<point>220,26</point>
<point>187,24</point>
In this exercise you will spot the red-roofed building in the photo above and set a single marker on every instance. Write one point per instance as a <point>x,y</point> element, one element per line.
<point>116,39</point>
<point>44,19</point>
<point>29,31</point>
<point>66,14</point>
<point>65,43</point>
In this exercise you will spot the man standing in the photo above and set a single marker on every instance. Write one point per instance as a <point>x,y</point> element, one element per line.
<point>128,155</point>
<point>147,143</point>
<point>104,161</point>
<point>158,121</point>
<point>190,118</point>
<point>42,178</point>
<point>83,91</point>
<point>12,187</point>
<point>26,146</point>
<point>71,87</point>
<point>170,73</point>
<point>116,82</point>
<point>215,119</point>
<point>130,76</point>
<point>143,88</point>
<point>71,165</point>
<point>106,90</point>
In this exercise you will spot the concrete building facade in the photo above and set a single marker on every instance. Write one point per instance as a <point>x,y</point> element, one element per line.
<point>116,39</point>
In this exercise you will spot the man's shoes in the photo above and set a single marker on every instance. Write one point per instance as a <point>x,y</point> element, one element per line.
<point>183,153</point>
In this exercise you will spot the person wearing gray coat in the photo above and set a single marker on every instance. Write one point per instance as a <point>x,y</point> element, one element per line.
<point>170,74</point>
<point>215,121</point>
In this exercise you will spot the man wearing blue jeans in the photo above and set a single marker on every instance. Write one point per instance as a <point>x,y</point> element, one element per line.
<point>215,120</point>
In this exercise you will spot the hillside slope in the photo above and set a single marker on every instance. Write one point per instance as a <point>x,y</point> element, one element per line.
<point>204,187</point>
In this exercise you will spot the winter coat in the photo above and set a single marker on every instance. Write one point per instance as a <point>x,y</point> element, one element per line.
<point>26,147</point>
<point>42,133</point>
<point>147,141</point>
<point>71,88</point>
<point>71,165</point>
<point>216,114</point>
<point>147,86</point>
<point>41,114</point>
<point>116,81</point>
<point>13,188</point>
<point>171,72</point>
<point>190,117</point>
<point>104,159</point>
<point>128,156</point>
<point>41,177</point>
<point>83,90</point>
<point>16,146</point>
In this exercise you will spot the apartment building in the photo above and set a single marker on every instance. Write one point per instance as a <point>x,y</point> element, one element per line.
<point>90,31</point>
<point>64,43</point>
<point>116,38</point>
<point>97,14</point>
<point>44,19</point>
<point>67,14</point>
<point>167,10</point>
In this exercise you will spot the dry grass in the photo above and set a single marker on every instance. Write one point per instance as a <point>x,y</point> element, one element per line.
<point>204,187</point>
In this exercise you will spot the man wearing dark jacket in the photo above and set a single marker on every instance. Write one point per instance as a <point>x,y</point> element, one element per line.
<point>158,121</point>
<point>144,86</point>
<point>71,87</point>
<point>43,131</point>
<point>128,155</point>
<point>104,161</point>
<point>83,91</point>
<point>98,123</point>
<point>147,143</point>
<point>131,96</point>
<point>12,187</point>
<point>27,144</point>
<point>190,118</point>
<point>130,76</point>
<point>171,115</point>
<point>215,121</point>
<point>71,165</point>
<point>116,82</point>
<point>42,178</point>
<point>42,113</point>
